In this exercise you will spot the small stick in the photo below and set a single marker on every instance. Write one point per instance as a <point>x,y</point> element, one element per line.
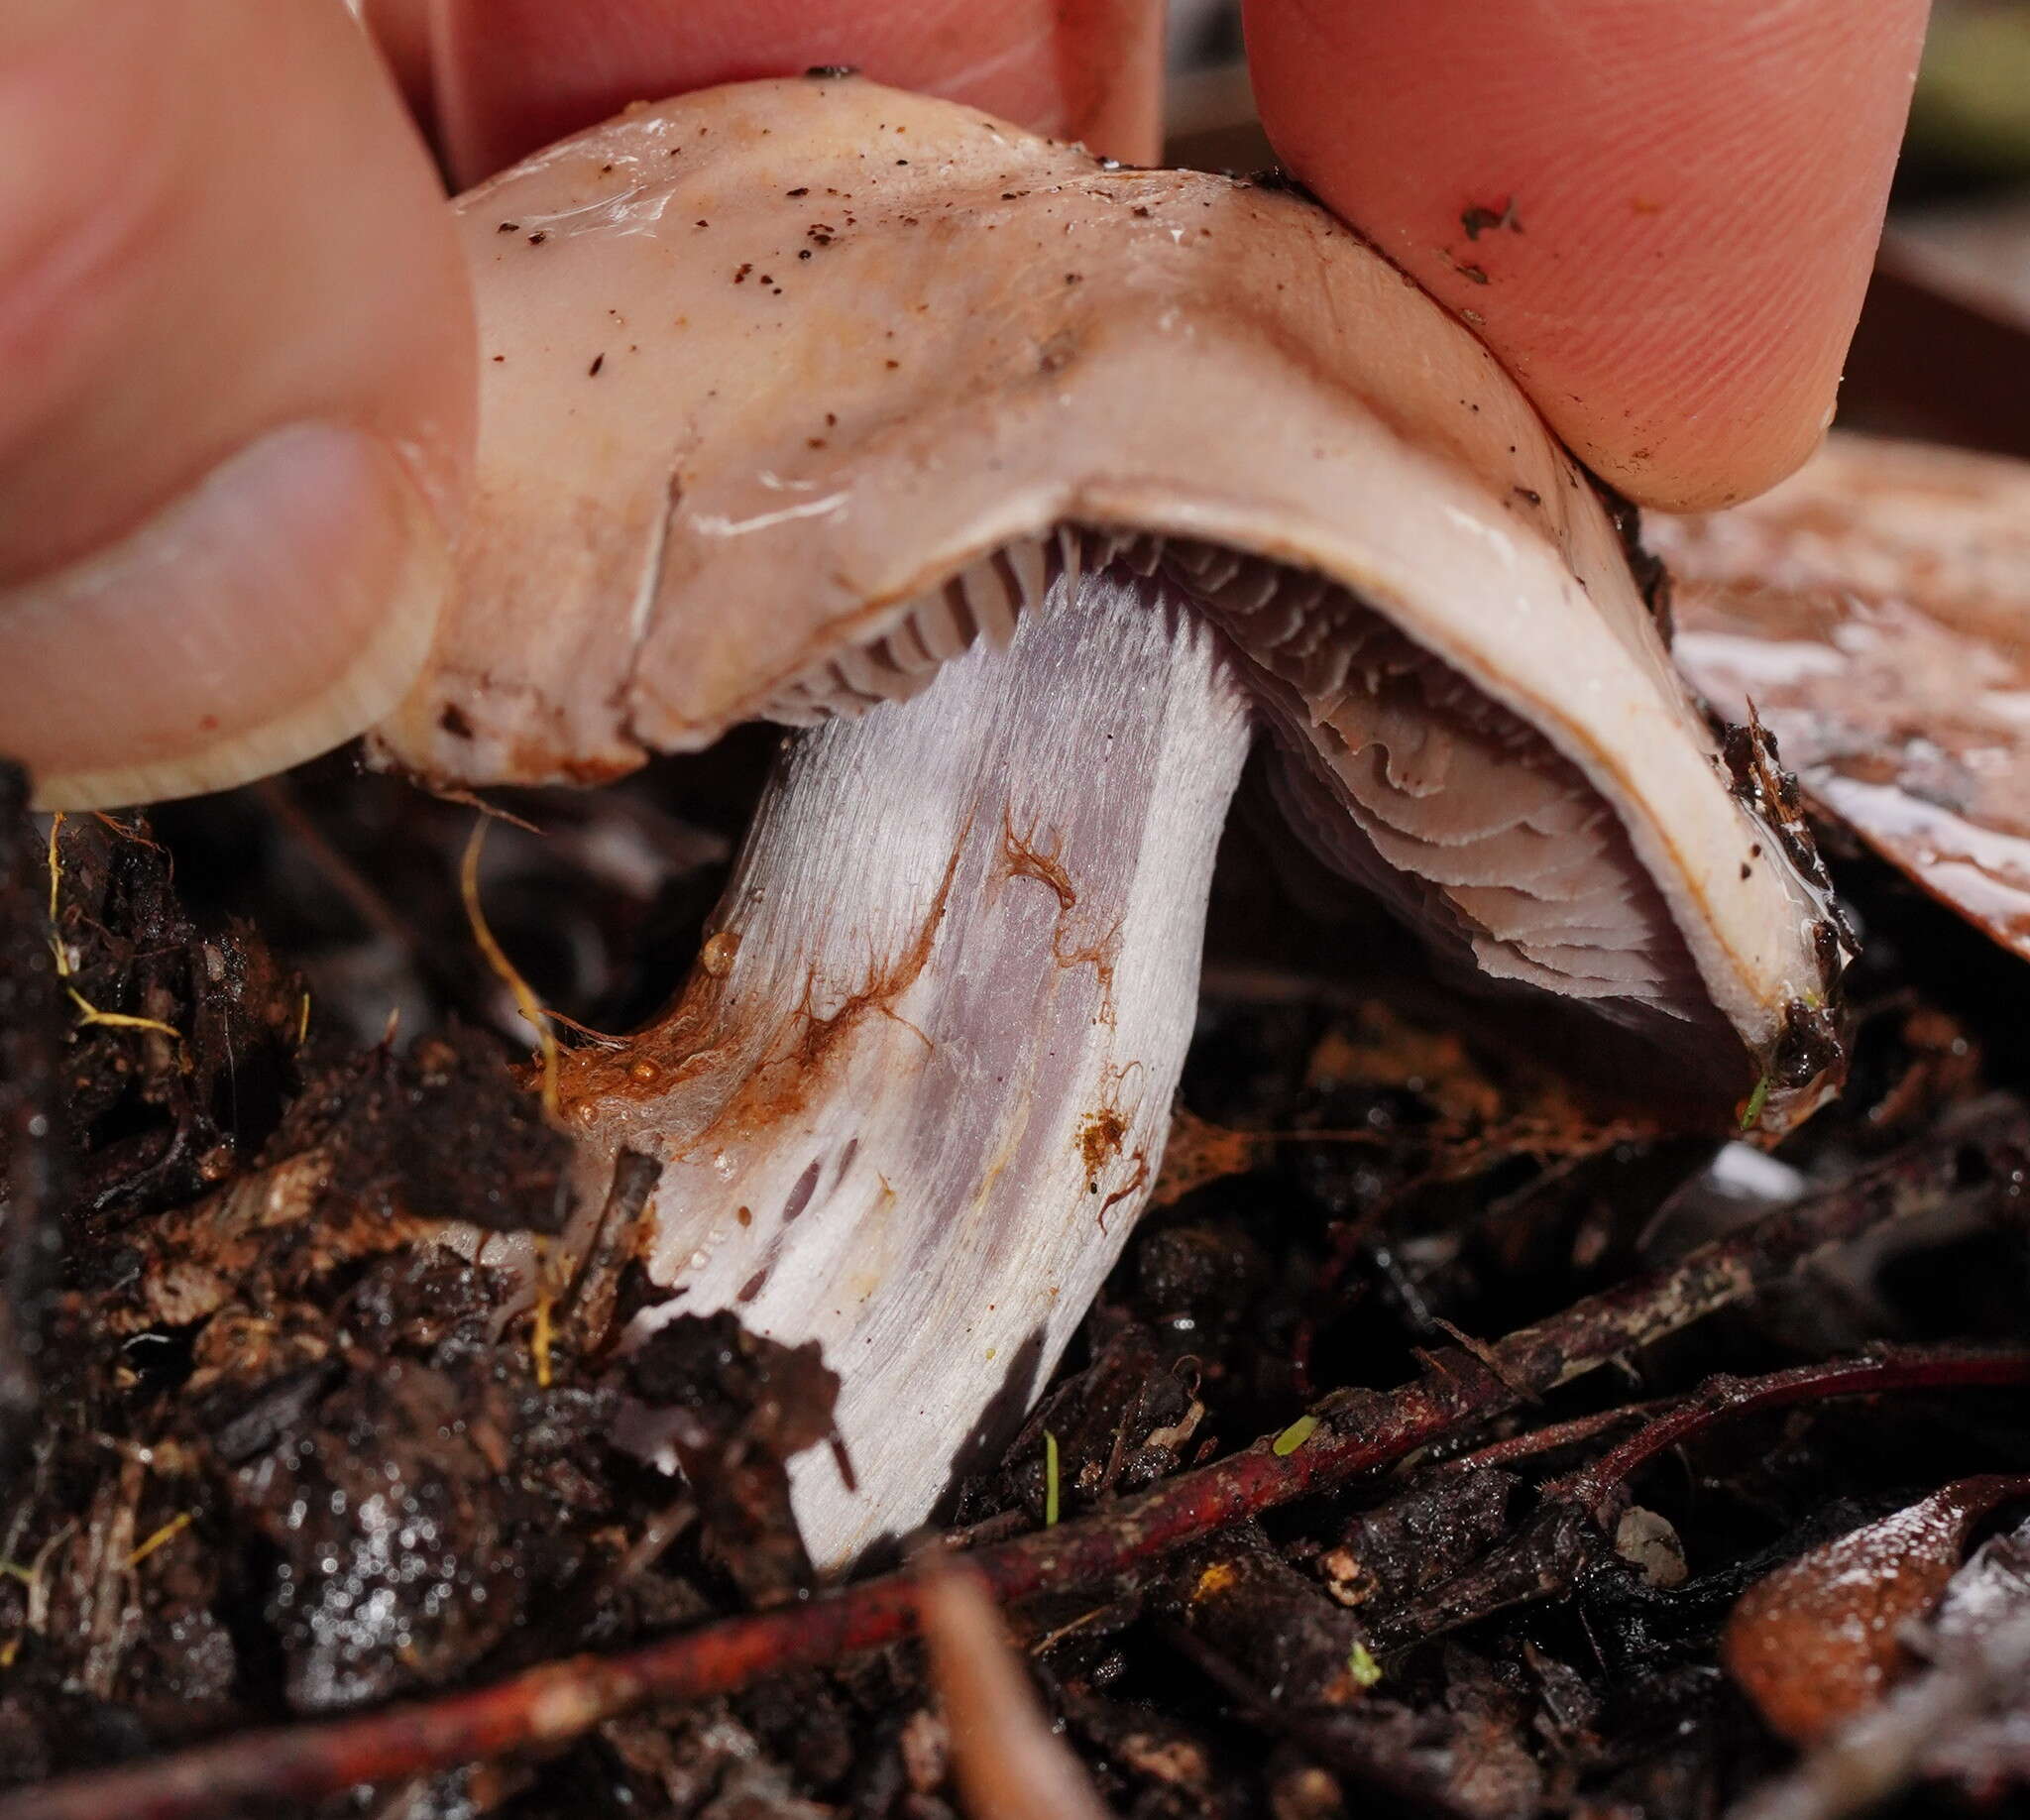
<point>1555,1435</point>
<point>1007,1761</point>
<point>588,1311</point>
<point>1573,1526</point>
<point>1597,1487</point>
<point>1358,1431</point>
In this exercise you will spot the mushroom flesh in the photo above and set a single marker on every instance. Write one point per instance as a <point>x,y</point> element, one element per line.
<point>1034,487</point>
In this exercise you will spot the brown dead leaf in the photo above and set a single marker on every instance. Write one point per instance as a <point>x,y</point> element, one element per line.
<point>1198,1152</point>
<point>1382,1048</point>
<point>1821,1639</point>
<point>1484,1106</point>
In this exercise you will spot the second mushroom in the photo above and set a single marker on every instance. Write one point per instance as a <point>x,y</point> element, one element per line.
<point>1035,489</point>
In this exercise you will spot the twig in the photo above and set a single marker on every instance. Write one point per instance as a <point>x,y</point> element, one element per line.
<point>1571,1530</point>
<point>1359,1432</point>
<point>588,1308</point>
<point>1007,1761</point>
<point>1560,1435</point>
<point>1597,1487</point>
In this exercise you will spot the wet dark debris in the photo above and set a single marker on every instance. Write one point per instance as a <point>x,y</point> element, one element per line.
<point>299,1416</point>
<point>33,1157</point>
<point>1652,579</point>
<point>736,1407</point>
<point>1478,220</point>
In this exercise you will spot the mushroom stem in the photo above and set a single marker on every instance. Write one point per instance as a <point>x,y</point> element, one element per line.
<point>918,1085</point>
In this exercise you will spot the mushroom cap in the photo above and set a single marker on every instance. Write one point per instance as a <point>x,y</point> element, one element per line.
<point>766,368</point>
<point>1876,608</point>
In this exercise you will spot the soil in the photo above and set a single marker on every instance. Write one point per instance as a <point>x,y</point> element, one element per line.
<point>286,1433</point>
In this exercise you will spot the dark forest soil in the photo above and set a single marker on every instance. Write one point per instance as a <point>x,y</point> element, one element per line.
<point>276,1445</point>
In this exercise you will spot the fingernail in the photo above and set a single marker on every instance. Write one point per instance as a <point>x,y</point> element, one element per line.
<point>272,611</point>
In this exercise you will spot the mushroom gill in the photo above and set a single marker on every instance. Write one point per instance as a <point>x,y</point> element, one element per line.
<point>1031,487</point>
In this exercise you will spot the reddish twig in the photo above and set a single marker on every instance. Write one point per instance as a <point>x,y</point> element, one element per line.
<point>1598,1486</point>
<point>1357,1431</point>
<point>1555,1435</point>
<point>1573,1530</point>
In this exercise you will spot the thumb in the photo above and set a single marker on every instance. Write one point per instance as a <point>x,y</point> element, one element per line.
<point>237,410</point>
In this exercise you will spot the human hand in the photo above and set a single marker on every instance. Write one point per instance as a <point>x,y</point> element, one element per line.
<point>237,422</point>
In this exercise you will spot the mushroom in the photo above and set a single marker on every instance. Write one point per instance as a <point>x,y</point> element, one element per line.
<point>1876,608</point>
<point>1032,487</point>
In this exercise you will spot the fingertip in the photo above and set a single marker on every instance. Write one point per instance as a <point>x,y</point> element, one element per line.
<point>1761,427</point>
<point>217,223</point>
<point>510,76</point>
<point>1661,219</point>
